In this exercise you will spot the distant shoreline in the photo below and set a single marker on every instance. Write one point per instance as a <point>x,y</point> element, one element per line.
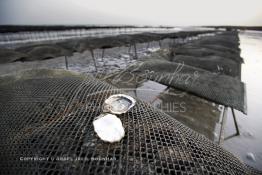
<point>258,28</point>
<point>30,28</point>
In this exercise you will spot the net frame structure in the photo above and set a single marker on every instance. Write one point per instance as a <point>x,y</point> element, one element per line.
<point>52,118</point>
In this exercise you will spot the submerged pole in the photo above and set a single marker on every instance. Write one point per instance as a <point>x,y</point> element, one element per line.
<point>148,45</point>
<point>66,62</point>
<point>136,57</point>
<point>129,51</point>
<point>93,57</point>
<point>103,54</point>
<point>160,44</point>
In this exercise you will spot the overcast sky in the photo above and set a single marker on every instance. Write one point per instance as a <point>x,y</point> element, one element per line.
<point>135,12</point>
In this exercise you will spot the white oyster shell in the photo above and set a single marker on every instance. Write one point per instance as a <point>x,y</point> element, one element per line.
<point>109,128</point>
<point>118,104</point>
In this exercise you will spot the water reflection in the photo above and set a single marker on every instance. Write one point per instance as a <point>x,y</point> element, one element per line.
<point>250,140</point>
<point>196,113</point>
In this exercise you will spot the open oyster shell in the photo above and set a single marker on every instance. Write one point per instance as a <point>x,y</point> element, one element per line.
<point>118,104</point>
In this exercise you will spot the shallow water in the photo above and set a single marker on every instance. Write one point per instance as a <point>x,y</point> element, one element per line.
<point>250,140</point>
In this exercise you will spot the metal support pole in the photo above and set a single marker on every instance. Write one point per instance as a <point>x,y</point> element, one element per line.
<point>103,54</point>
<point>160,44</point>
<point>136,57</point>
<point>223,122</point>
<point>148,45</point>
<point>135,90</point>
<point>235,121</point>
<point>93,57</point>
<point>66,62</point>
<point>129,49</point>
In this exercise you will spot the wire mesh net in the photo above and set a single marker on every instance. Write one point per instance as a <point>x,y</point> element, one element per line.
<point>46,128</point>
<point>219,53</point>
<point>221,89</point>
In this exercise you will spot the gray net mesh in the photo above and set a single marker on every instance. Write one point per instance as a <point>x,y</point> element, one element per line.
<point>222,89</point>
<point>40,50</point>
<point>219,53</point>
<point>52,117</point>
<point>216,64</point>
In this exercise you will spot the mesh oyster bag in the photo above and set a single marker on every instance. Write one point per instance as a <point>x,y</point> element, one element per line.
<point>46,128</point>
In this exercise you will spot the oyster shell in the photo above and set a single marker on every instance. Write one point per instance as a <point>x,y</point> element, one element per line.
<point>109,128</point>
<point>118,104</point>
